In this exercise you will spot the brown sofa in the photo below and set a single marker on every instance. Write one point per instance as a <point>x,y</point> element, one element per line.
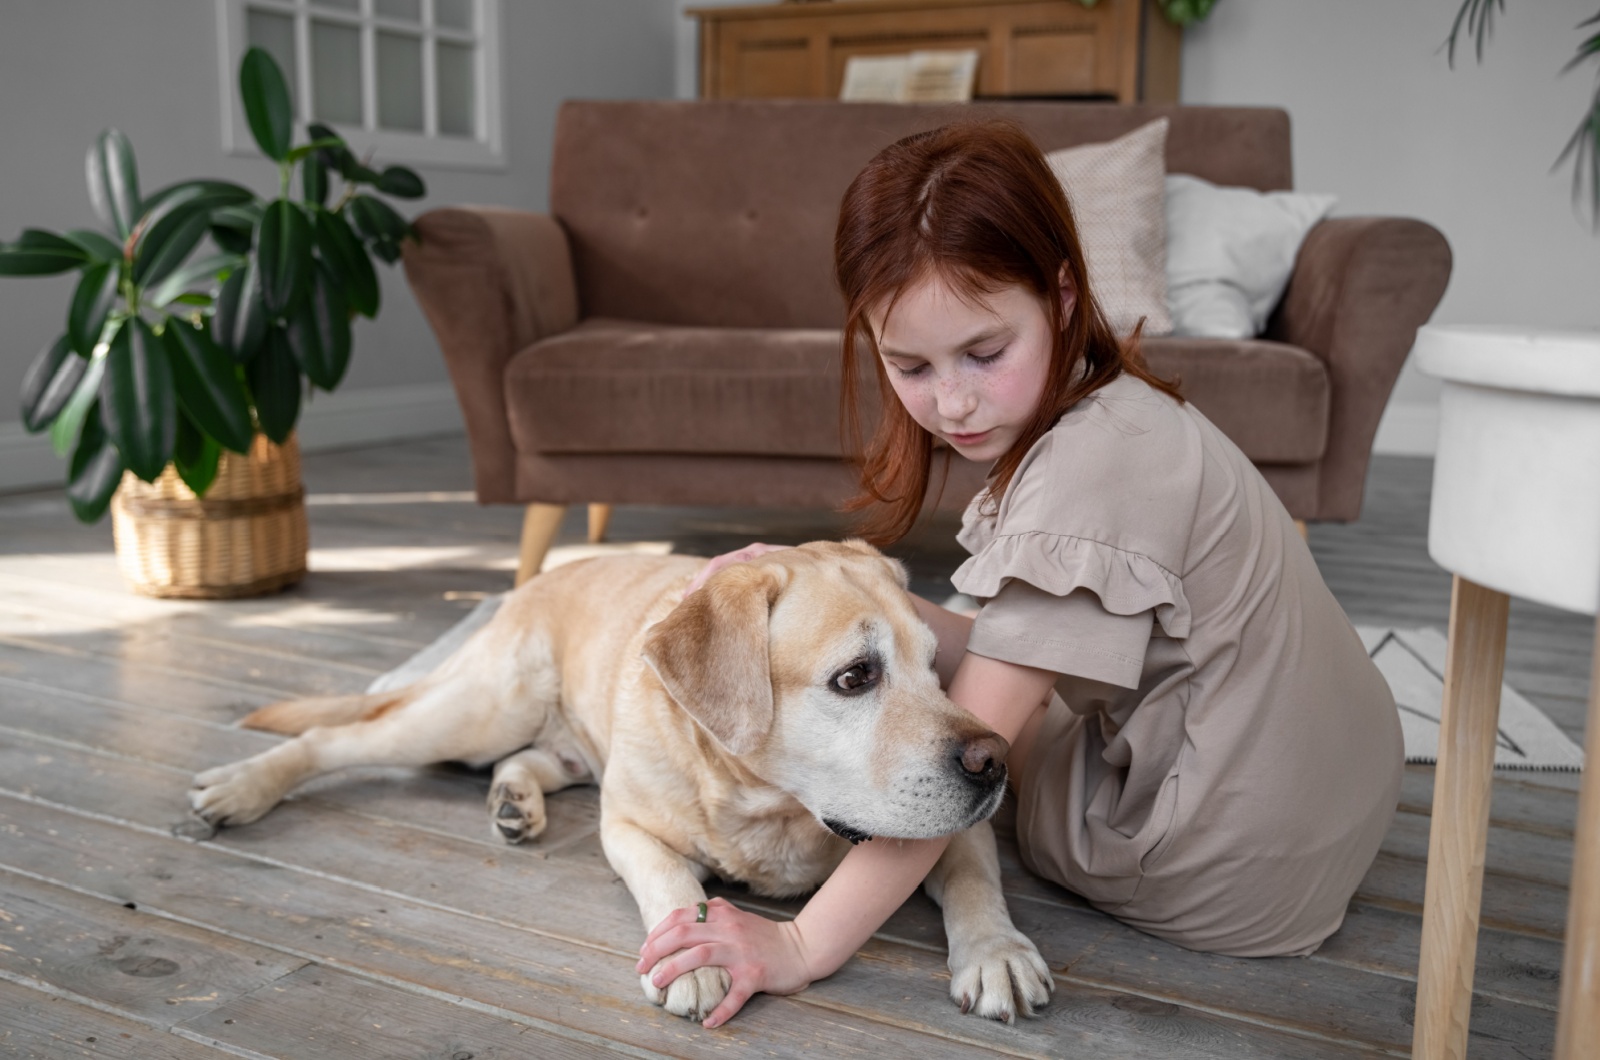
<point>667,334</point>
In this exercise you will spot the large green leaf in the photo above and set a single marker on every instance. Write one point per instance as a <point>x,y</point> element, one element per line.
<point>234,227</point>
<point>220,192</point>
<point>337,155</point>
<point>51,380</point>
<point>114,182</point>
<point>161,256</point>
<point>314,182</point>
<point>195,456</point>
<point>208,386</point>
<point>137,400</point>
<point>169,231</point>
<point>91,304</point>
<point>240,320</point>
<point>266,103</point>
<point>40,253</point>
<point>68,425</point>
<point>95,244</point>
<point>283,252</point>
<point>275,384</point>
<point>320,332</point>
<point>96,470</point>
<point>398,180</point>
<point>341,249</point>
<point>201,270</point>
<point>377,221</point>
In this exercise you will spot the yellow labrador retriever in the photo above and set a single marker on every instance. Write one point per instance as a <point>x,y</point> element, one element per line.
<point>752,731</point>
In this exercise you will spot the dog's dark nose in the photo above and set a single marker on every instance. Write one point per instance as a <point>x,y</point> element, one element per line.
<point>983,759</point>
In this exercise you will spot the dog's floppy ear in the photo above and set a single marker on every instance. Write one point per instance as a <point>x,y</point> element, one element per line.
<point>710,654</point>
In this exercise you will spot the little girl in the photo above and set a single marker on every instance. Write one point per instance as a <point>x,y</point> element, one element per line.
<point>1201,746</point>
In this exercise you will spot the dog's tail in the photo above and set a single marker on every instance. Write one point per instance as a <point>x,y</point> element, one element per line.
<point>294,716</point>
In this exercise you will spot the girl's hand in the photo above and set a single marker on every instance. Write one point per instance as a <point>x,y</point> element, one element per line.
<point>742,555</point>
<point>761,955</point>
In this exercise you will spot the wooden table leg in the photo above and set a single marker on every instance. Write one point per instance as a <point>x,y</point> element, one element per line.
<point>1579,1021</point>
<point>1462,784</point>
<point>599,519</point>
<point>539,526</point>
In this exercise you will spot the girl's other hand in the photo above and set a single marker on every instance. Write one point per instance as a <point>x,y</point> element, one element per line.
<point>743,555</point>
<point>761,955</point>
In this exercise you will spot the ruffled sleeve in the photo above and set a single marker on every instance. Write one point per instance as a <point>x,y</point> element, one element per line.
<point>1126,583</point>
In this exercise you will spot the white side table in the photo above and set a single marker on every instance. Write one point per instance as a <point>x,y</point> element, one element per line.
<point>1516,512</point>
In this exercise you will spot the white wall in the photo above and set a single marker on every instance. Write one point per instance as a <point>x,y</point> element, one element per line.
<point>1380,120</point>
<point>70,68</point>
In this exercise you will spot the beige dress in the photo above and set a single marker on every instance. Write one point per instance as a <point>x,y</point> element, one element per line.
<point>1232,790</point>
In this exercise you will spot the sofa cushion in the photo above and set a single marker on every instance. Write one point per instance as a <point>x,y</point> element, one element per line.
<point>612,386</point>
<point>1270,398</point>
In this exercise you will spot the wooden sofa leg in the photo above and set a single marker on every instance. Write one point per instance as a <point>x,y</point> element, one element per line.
<point>1459,831</point>
<point>599,519</point>
<point>1579,1020</point>
<point>539,526</point>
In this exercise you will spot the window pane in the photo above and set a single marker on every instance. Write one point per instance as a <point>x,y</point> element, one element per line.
<point>453,14</point>
<point>338,5</point>
<point>275,33</point>
<point>406,10</point>
<point>336,73</point>
<point>457,95</point>
<point>399,82</point>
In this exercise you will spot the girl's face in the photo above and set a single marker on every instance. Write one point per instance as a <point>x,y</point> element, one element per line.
<point>968,370</point>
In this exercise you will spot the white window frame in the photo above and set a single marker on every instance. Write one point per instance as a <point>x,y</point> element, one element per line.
<point>485,150</point>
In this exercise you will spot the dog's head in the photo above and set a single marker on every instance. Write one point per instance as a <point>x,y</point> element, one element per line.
<point>811,666</point>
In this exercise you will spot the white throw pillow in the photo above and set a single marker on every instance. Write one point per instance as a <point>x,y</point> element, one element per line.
<point>1230,252</point>
<point>1117,198</point>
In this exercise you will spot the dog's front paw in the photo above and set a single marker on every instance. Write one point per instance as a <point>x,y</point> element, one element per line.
<point>516,811</point>
<point>692,995</point>
<point>233,794</point>
<point>999,976</point>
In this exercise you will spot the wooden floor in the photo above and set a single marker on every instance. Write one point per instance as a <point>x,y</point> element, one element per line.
<point>374,915</point>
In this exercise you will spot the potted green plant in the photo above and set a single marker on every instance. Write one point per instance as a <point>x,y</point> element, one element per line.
<point>201,314</point>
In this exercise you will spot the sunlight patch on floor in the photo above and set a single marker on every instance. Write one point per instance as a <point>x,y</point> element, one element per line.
<point>413,557</point>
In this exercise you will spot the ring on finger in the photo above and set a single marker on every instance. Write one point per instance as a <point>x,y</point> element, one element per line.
<point>700,915</point>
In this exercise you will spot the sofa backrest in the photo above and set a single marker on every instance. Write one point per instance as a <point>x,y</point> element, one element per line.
<point>722,213</point>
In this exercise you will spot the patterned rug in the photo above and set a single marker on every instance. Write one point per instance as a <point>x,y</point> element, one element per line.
<point>1413,662</point>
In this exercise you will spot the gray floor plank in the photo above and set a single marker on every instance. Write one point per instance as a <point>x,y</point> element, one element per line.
<point>39,1026</point>
<point>143,967</point>
<point>322,1014</point>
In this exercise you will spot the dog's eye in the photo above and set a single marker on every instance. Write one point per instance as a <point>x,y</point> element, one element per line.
<point>858,678</point>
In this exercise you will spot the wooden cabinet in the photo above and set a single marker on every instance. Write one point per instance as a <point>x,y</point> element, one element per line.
<point>1118,49</point>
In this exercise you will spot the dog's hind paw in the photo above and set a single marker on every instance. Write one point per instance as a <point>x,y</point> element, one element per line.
<point>693,995</point>
<point>1000,977</point>
<point>516,812</point>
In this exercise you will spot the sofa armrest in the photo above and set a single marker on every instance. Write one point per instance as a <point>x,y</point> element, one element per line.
<point>491,282</point>
<point>1361,287</point>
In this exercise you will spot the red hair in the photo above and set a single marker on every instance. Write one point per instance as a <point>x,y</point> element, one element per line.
<point>976,204</point>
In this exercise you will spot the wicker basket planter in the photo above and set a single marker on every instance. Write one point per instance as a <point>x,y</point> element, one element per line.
<point>245,537</point>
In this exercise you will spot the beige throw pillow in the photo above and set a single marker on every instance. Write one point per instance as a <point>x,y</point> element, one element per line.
<point>1118,196</point>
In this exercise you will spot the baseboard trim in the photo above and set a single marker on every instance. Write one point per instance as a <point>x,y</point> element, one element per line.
<point>1408,428</point>
<point>329,421</point>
